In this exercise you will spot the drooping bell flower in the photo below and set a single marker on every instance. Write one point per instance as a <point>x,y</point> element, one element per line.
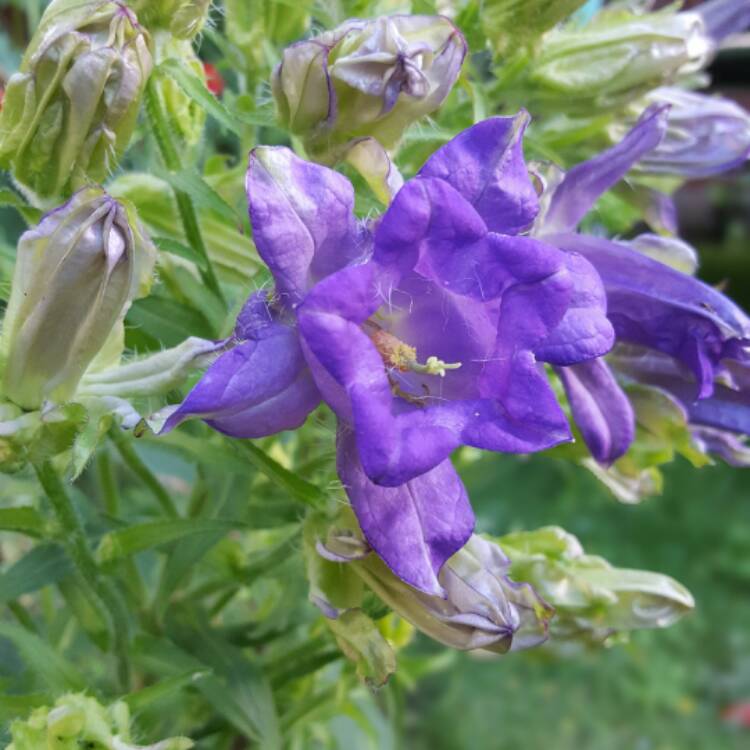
<point>592,599</point>
<point>423,332</point>
<point>366,78</point>
<point>482,608</point>
<point>705,135</point>
<point>69,112</point>
<point>649,303</point>
<point>76,274</point>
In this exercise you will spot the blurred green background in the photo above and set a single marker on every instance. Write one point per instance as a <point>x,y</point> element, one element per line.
<point>664,690</point>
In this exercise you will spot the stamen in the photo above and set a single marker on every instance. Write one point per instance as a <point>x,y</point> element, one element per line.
<point>402,357</point>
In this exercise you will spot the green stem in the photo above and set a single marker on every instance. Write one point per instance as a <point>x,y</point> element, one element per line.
<point>307,706</point>
<point>74,539</point>
<point>107,483</point>
<point>136,465</point>
<point>188,215</point>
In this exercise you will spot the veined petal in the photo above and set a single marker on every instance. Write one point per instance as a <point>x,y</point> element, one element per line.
<point>416,527</point>
<point>485,165</point>
<point>302,218</point>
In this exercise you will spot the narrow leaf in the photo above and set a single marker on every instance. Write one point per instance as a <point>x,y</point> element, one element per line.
<point>42,566</point>
<point>24,520</point>
<point>129,541</point>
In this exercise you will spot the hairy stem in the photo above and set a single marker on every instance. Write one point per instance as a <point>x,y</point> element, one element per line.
<point>135,464</point>
<point>76,544</point>
<point>188,215</point>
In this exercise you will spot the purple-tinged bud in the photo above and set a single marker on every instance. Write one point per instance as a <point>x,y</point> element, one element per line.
<point>69,112</point>
<point>705,135</point>
<point>483,607</point>
<point>76,274</point>
<point>366,78</point>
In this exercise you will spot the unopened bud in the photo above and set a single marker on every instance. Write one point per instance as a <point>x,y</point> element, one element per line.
<point>69,112</point>
<point>367,78</point>
<point>183,18</point>
<point>592,599</point>
<point>76,274</point>
<point>705,135</point>
<point>617,57</point>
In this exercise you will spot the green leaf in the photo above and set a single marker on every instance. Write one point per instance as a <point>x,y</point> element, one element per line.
<point>241,703</point>
<point>195,88</point>
<point>42,566</point>
<point>167,321</point>
<point>54,671</point>
<point>129,541</point>
<point>190,181</point>
<point>297,487</point>
<point>165,688</point>
<point>362,643</point>
<point>173,247</point>
<point>12,200</point>
<point>24,520</point>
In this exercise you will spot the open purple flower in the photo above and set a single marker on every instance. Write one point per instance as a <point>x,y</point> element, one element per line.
<point>649,303</point>
<point>424,332</point>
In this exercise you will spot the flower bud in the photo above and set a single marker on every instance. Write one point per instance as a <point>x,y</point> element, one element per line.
<point>69,112</point>
<point>617,57</point>
<point>705,135</point>
<point>77,721</point>
<point>592,599</point>
<point>76,274</point>
<point>183,18</point>
<point>483,608</point>
<point>367,78</point>
<point>185,114</point>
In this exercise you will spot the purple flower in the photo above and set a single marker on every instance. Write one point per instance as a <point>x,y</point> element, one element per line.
<point>649,303</point>
<point>724,17</point>
<point>423,332</point>
<point>706,135</point>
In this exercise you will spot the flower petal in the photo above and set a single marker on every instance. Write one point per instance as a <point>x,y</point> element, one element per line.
<point>415,527</point>
<point>259,387</point>
<point>658,307</point>
<point>600,409</point>
<point>485,164</point>
<point>302,218</point>
<point>573,198</point>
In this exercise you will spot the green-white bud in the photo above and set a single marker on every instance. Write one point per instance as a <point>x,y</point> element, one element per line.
<point>366,78</point>
<point>70,111</point>
<point>185,114</point>
<point>77,721</point>
<point>592,599</point>
<point>617,57</point>
<point>183,18</point>
<point>76,274</point>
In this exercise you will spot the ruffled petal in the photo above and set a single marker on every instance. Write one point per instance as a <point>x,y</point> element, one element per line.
<point>302,218</point>
<point>600,409</point>
<point>655,306</point>
<point>485,165</point>
<point>575,195</point>
<point>584,331</point>
<point>416,527</point>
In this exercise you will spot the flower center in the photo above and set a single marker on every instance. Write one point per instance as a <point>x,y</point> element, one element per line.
<point>402,357</point>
